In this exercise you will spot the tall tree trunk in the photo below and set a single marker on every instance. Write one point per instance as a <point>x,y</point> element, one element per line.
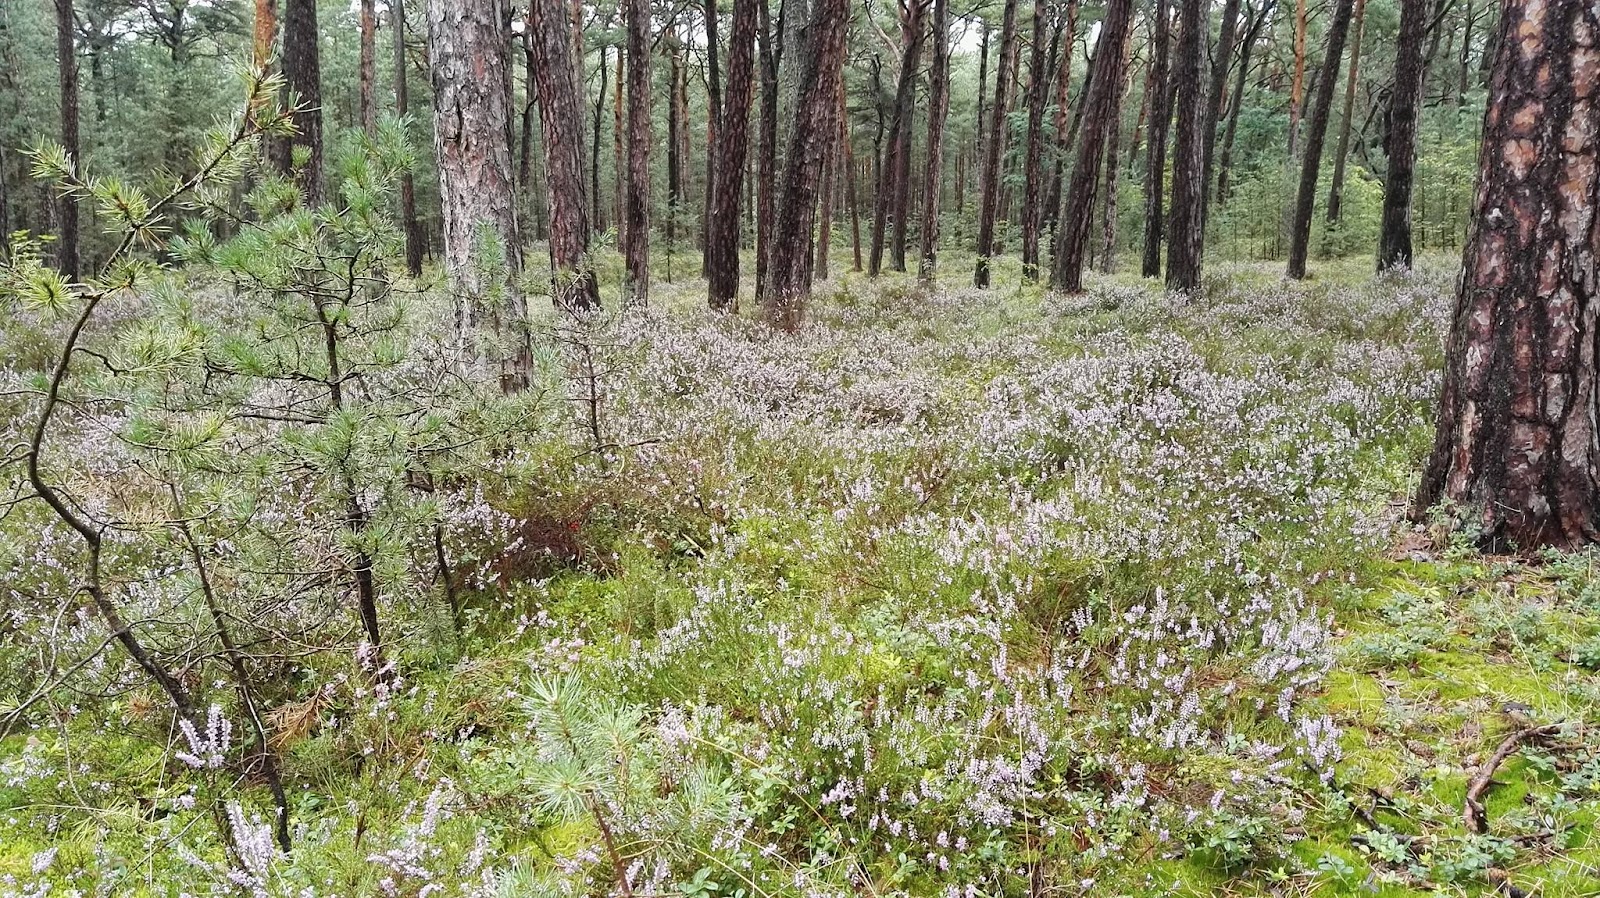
<point>1219,89</point>
<point>1155,161</point>
<point>1186,243</point>
<point>1463,60</point>
<point>895,168</point>
<point>402,107</point>
<point>830,167</point>
<point>302,73</point>
<point>994,147</point>
<point>1311,164</point>
<point>677,132</point>
<point>1297,89</point>
<point>595,124</point>
<point>619,147</point>
<point>816,100</point>
<point>368,66</point>
<point>938,117</point>
<point>713,126</point>
<point>732,142</point>
<point>636,248</point>
<point>264,33</point>
<point>1101,115</point>
<point>559,117</point>
<point>471,126</point>
<point>850,181</point>
<point>1038,93</point>
<point>1108,247</point>
<point>1400,142</point>
<point>1342,151</point>
<point>1225,162</point>
<point>770,46</point>
<point>1063,135</point>
<point>983,95</point>
<point>67,203</point>
<point>1517,452</point>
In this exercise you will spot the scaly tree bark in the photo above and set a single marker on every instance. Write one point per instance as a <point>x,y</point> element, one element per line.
<point>1186,242</point>
<point>302,72</point>
<point>368,65</point>
<point>1063,135</point>
<point>1033,159</point>
<point>265,32</point>
<point>1108,227</point>
<point>636,235</point>
<point>732,139</point>
<point>1219,89</point>
<point>1297,89</point>
<point>67,70</point>
<point>402,108</point>
<point>467,42</point>
<point>713,125</point>
<point>994,145</point>
<point>816,98</point>
<point>938,117</point>
<point>1155,162</point>
<point>1517,451</point>
<point>1247,47</point>
<point>1101,114</point>
<point>1400,143</point>
<point>770,45</point>
<point>1342,151</point>
<point>896,164</point>
<point>557,87</point>
<point>1316,135</point>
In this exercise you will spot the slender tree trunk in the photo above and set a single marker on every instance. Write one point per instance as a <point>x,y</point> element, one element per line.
<point>1108,247</point>
<point>713,126</point>
<point>559,116</point>
<point>368,66</point>
<point>732,143</point>
<point>67,204</point>
<point>1311,165</point>
<point>938,117</point>
<point>1101,115</point>
<point>1517,451</point>
<point>619,148</point>
<point>814,127</point>
<point>1155,167</point>
<point>402,107</point>
<point>1033,164</point>
<point>1342,151</point>
<point>905,114</point>
<point>850,181</point>
<point>1186,244</point>
<point>595,124</point>
<point>983,94</point>
<point>830,166</point>
<point>265,32</point>
<point>636,249</point>
<point>1219,90</point>
<point>471,123</point>
<point>1297,89</point>
<point>770,45</point>
<point>1225,162</point>
<point>1400,143</point>
<point>994,148</point>
<point>1063,135</point>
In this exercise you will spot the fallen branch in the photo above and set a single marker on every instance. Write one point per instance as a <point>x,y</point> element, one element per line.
<point>1473,814</point>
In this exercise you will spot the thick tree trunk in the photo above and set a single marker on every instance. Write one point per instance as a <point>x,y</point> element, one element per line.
<point>1033,158</point>
<point>636,248</point>
<point>471,125</point>
<point>559,117</point>
<point>1342,151</point>
<point>994,146</point>
<point>816,100</point>
<point>302,73</point>
<point>1236,105</point>
<point>732,142</point>
<point>1101,115</point>
<point>1400,143</point>
<point>1219,89</point>
<point>938,116</point>
<point>1186,243</point>
<point>66,255</point>
<point>1517,453</point>
<point>1155,162</point>
<point>1108,245</point>
<point>1316,135</point>
<point>368,68</point>
<point>402,107</point>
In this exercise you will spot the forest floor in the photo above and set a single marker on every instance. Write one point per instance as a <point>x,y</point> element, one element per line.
<point>953,594</point>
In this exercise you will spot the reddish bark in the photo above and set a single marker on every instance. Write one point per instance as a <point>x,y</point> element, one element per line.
<point>557,88</point>
<point>367,68</point>
<point>1186,240</point>
<point>732,140</point>
<point>1517,452</point>
<point>1316,134</point>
